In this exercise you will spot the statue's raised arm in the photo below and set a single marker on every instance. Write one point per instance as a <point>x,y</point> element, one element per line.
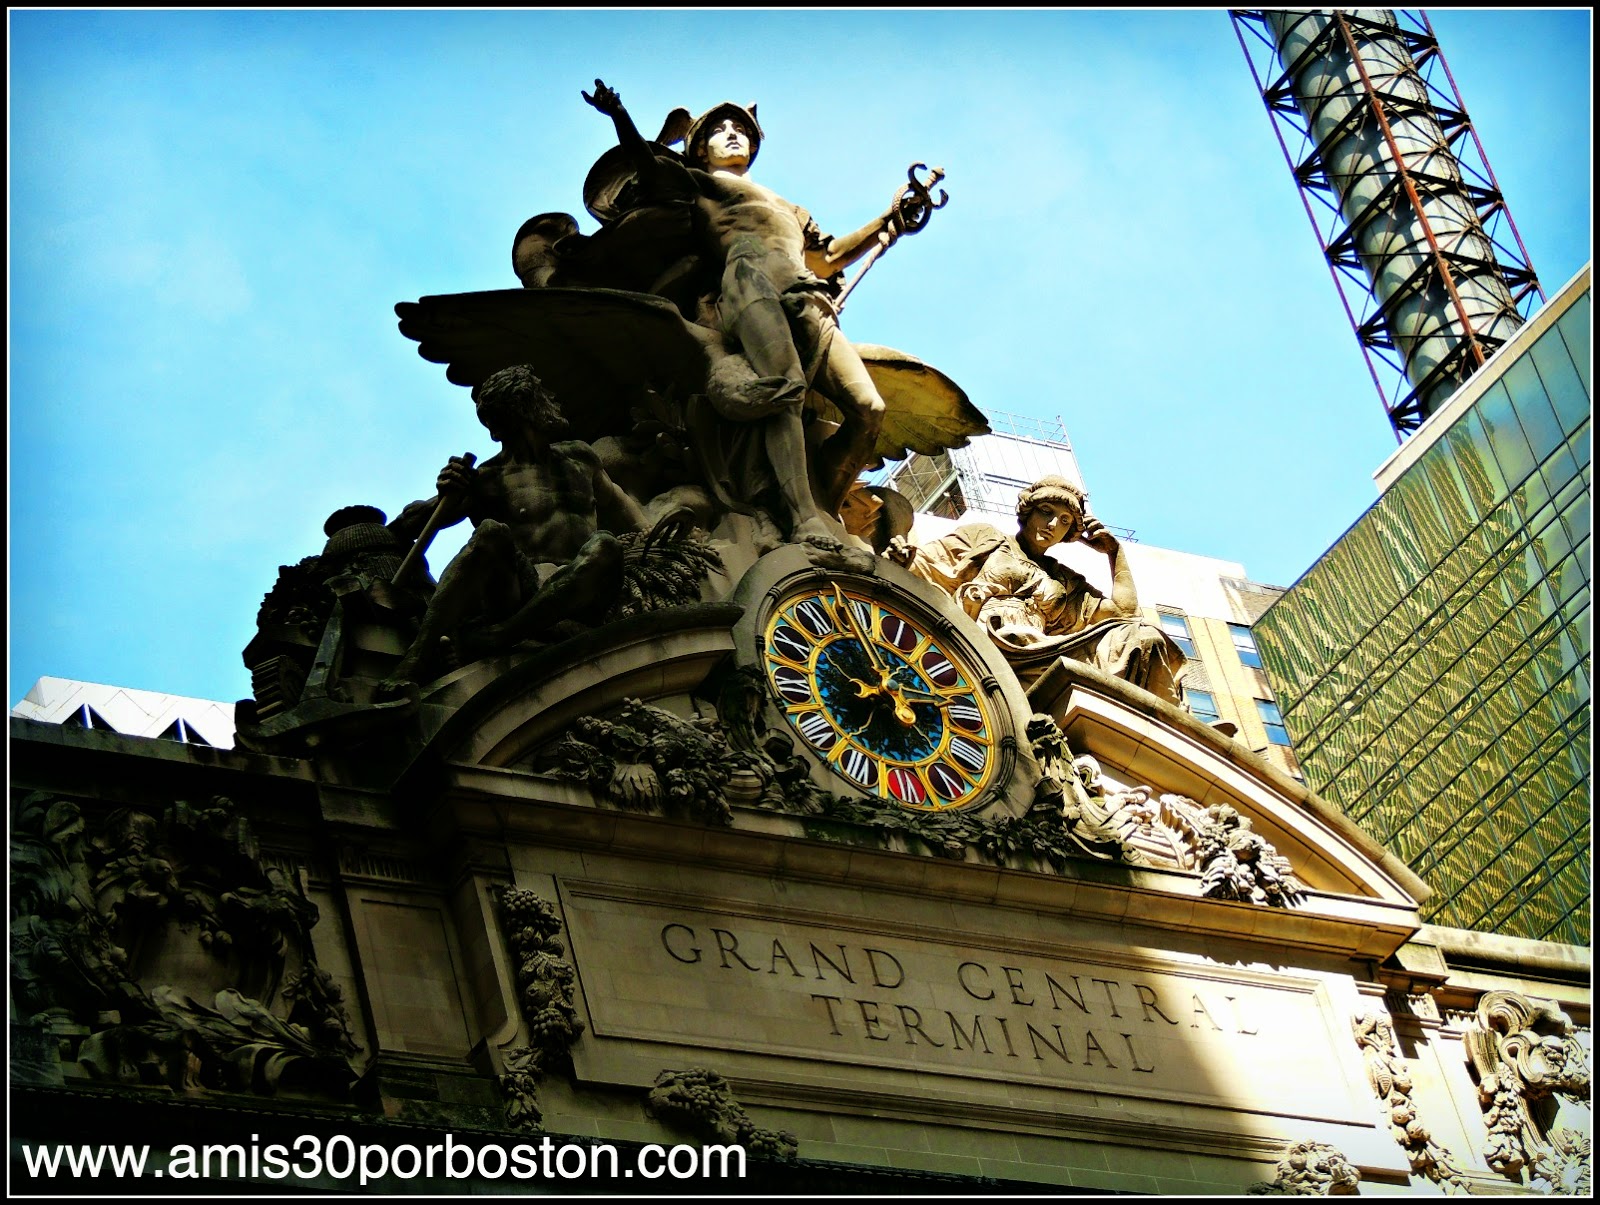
<point>609,101</point>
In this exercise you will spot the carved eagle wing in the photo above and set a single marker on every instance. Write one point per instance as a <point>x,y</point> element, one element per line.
<point>594,349</point>
<point>924,410</point>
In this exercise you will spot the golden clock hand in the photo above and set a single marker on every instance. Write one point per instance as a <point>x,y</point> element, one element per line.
<point>903,712</point>
<point>843,603</point>
<point>926,696</point>
<point>864,727</point>
<point>886,684</point>
<point>865,690</point>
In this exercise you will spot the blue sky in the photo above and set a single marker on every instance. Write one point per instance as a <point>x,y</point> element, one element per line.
<point>212,215</point>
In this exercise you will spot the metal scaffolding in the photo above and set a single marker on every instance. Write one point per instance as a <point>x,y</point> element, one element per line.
<point>1418,237</point>
<point>986,475</point>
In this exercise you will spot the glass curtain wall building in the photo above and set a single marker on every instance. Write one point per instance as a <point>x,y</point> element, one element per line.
<point>1433,667</point>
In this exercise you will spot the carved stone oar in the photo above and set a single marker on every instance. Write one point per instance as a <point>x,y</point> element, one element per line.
<point>429,530</point>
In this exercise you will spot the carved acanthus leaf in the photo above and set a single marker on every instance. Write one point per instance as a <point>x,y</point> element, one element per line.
<point>1565,1166</point>
<point>1525,1050</point>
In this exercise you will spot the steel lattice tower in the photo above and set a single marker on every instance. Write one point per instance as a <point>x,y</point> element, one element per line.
<point>1421,245</point>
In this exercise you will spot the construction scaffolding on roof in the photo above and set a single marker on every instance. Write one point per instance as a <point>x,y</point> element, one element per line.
<point>1418,237</point>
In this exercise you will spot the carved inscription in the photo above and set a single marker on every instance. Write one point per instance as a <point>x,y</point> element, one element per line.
<point>1097,1025</point>
<point>847,997</point>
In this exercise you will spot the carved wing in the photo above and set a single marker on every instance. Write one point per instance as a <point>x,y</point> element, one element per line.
<point>594,349</point>
<point>926,411</point>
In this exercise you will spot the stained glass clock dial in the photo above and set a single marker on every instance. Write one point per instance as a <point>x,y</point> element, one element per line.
<point>893,710</point>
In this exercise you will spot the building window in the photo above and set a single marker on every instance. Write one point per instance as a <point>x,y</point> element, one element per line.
<point>1276,732</point>
<point>1177,627</point>
<point>1246,645</point>
<point>1202,705</point>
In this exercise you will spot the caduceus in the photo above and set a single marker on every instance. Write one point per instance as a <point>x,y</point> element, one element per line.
<point>913,206</point>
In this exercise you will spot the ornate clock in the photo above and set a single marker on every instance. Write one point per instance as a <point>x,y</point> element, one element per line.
<point>894,710</point>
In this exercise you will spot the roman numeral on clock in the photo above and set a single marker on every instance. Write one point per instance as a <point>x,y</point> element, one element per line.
<point>967,716</point>
<point>937,666</point>
<point>817,730</point>
<point>858,766</point>
<point>789,644</point>
<point>968,754</point>
<point>791,684</point>
<point>903,785</point>
<point>814,617</point>
<point>946,781</point>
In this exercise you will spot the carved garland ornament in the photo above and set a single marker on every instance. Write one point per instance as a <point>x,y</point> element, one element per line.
<point>1391,1081</point>
<point>648,759</point>
<point>1528,1059</point>
<point>1075,813</point>
<point>150,951</point>
<point>545,990</point>
<point>701,1101</point>
<point>1311,1169</point>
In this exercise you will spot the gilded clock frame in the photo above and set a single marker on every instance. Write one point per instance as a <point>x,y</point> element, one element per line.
<point>897,710</point>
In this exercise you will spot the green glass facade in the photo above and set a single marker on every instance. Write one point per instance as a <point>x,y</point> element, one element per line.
<point>1433,666</point>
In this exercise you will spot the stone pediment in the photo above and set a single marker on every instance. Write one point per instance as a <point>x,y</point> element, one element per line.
<point>506,711</point>
<point>1139,740</point>
<point>500,712</point>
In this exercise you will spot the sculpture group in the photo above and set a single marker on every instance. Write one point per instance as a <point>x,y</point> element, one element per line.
<point>673,396</point>
<point>694,339</point>
<point>614,706</point>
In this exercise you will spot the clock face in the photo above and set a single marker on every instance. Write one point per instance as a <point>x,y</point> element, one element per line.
<point>886,705</point>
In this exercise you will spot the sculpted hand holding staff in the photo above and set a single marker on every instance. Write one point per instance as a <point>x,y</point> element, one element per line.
<point>542,548</point>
